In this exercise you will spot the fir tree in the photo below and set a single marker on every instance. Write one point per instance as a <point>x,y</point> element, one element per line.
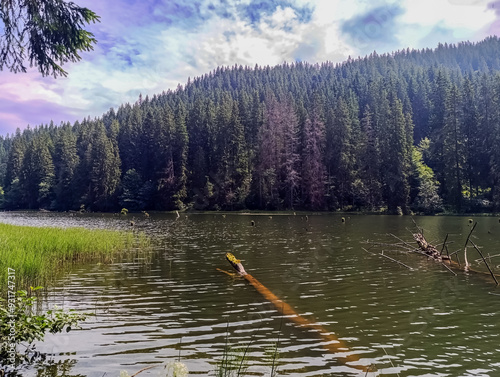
<point>453,149</point>
<point>66,161</point>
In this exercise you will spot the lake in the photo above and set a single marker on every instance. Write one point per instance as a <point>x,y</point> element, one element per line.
<point>174,303</point>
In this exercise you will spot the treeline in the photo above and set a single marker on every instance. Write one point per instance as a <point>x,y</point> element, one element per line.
<point>409,131</point>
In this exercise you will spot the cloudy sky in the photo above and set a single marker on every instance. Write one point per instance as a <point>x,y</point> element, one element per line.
<point>148,46</point>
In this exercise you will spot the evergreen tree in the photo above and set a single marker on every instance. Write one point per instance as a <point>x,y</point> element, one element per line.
<point>37,179</point>
<point>453,149</point>
<point>104,174</point>
<point>147,141</point>
<point>289,156</point>
<point>437,118</point>
<point>313,166</point>
<point>198,127</point>
<point>165,175</point>
<point>494,118</point>
<point>131,194</point>
<point>340,152</point>
<point>4,157</point>
<point>49,33</point>
<point>66,161</point>
<point>270,144</point>
<point>396,157</point>
<point>471,139</point>
<point>15,160</point>
<point>233,176</point>
<point>129,140</point>
<point>282,137</point>
<point>488,108</point>
<point>370,162</point>
<point>180,155</point>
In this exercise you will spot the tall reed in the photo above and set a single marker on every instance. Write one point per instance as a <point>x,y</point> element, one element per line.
<point>37,254</point>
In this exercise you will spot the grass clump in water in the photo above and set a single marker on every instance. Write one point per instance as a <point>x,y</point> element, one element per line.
<point>37,254</point>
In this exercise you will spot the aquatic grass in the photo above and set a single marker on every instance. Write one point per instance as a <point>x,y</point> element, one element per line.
<point>234,362</point>
<point>37,254</point>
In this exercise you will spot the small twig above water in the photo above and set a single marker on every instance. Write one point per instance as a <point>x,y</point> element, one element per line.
<point>420,230</point>
<point>479,260</point>
<point>404,242</point>
<point>388,257</point>
<point>486,263</point>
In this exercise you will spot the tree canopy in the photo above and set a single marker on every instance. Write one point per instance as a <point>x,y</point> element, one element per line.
<point>47,33</point>
<point>415,130</point>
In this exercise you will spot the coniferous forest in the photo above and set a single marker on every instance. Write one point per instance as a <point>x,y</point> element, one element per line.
<point>412,131</point>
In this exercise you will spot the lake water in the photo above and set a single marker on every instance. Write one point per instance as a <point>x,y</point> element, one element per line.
<point>174,303</point>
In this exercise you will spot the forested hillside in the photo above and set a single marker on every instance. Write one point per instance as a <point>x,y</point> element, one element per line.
<point>409,131</point>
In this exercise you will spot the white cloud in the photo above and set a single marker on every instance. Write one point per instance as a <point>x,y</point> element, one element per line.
<point>170,55</point>
<point>471,15</point>
<point>136,56</point>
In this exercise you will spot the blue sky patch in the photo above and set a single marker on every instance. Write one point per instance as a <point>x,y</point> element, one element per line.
<point>254,11</point>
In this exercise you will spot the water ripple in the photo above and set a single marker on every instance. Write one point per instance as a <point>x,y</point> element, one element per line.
<point>416,323</point>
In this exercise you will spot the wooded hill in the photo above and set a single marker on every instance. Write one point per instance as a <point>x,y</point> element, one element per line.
<point>415,130</point>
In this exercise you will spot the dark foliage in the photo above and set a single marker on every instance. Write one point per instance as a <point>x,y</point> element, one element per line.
<point>412,130</point>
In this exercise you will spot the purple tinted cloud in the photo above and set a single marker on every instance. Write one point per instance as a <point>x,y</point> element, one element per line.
<point>494,28</point>
<point>15,114</point>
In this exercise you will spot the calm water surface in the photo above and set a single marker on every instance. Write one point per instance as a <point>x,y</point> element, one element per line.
<point>420,322</point>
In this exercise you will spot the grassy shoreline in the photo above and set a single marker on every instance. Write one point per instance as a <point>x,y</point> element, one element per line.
<point>37,254</point>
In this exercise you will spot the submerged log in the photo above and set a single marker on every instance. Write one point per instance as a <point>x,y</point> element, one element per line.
<point>333,344</point>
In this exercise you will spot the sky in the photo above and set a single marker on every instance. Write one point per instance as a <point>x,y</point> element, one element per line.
<point>149,46</point>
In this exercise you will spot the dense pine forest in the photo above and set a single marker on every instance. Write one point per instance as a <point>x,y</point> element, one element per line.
<point>415,130</point>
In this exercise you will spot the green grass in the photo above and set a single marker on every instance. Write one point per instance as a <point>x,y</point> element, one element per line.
<point>38,254</point>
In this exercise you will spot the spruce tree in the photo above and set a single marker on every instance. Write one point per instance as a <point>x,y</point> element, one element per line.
<point>396,158</point>
<point>453,149</point>
<point>104,173</point>
<point>313,165</point>
<point>66,161</point>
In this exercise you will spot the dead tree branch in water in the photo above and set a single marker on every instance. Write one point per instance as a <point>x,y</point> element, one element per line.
<point>431,251</point>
